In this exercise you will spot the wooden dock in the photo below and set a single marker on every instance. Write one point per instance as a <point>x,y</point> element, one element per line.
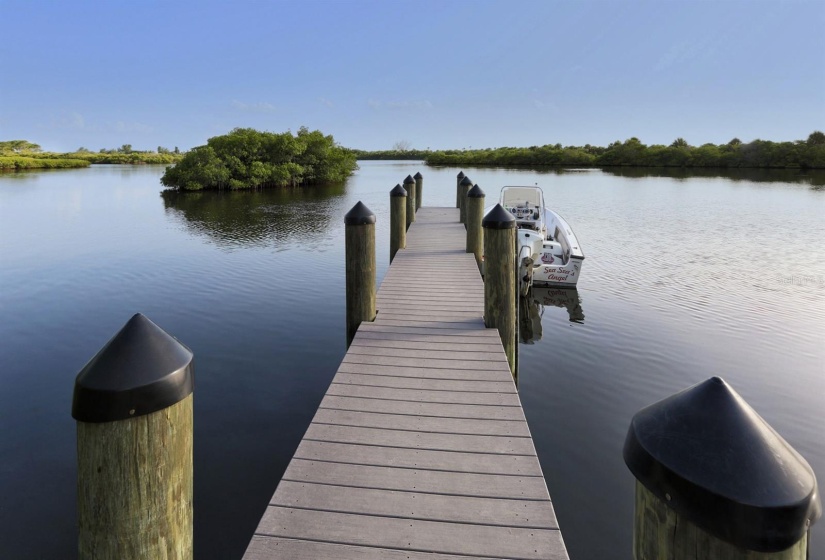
<point>420,448</point>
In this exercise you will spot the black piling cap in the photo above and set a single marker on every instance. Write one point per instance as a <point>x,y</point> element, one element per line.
<point>409,180</point>
<point>398,190</point>
<point>475,192</point>
<point>714,460</point>
<point>418,175</point>
<point>466,182</point>
<point>460,175</point>
<point>359,215</point>
<point>498,218</point>
<point>141,370</point>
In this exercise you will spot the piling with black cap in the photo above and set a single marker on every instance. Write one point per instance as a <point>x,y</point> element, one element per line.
<point>133,406</point>
<point>359,238</point>
<point>715,482</point>
<point>419,189</point>
<point>458,179</point>
<point>409,186</point>
<point>398,220</point>
<point>475,214</point>
<point>500,278</point>
<point>464,187</point>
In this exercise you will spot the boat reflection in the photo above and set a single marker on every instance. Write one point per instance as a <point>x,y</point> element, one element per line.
<point>531,310</point>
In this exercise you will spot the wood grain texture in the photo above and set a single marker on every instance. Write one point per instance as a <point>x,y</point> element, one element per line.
<point>443,483</point>
<point>475,233</point>
<point>410,202</point>
<point>420,448</point>
<point>360,276</point>
<point>411,534</point>
<point>398,224</point>
<point>662,534</point>
<point>500,287</point>
<point>134,486</point>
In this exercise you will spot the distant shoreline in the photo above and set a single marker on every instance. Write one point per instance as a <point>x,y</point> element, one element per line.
<point>49,160</point>
<point>757,154</point>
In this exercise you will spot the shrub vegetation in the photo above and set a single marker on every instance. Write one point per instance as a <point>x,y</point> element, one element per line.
<point>22,154</point>
<point>247,158</point>
<point>22,162</point>
<point>805,154</point>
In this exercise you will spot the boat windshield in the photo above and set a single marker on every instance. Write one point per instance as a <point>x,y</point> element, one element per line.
<point>521,196</point>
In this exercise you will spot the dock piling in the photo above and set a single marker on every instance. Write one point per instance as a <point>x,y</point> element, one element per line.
<point>500,278</point>
<point>133,406</point>
<point>419,189</point>
<point>360,266</point>
<point>475,214</point>
<point>409,186</point>
<point>458,179</point>
<point>398,220</point>
<point>715,482</point>
<point>463,187</point>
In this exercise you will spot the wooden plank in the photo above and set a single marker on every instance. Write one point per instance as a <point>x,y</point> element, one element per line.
<point>401,382</point>
<point>466,332</point>
<point>408,422</point>
<point>410,297</point>
<point>418,480</point>
<point>504,445</point>
<point>416,535</point>
<point>458,346</point>
<point>415,505</point>
<point>264,547</point>
<point>449,461</point>
<point>432,310</point>
<point>417,353</point>
<point>366,337</point>
<point>424,363</point>
<point>421,373</point>
<point>427,304</point>
<point>451,397</point>
<point>477,412</point>
<point>408,321</point>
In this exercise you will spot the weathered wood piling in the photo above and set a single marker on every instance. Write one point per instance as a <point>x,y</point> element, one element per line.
<point>464,187</point>
<point>419,189</point>
<point>715,482</point>
<point>133,406</point>
<point>409,186</point>
<point>500,278</point>
<point>360,266</point>
<point>398,220</point>
<point>475,215</point>
<point>458,179</point>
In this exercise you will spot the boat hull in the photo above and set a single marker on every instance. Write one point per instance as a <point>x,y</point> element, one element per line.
<point>561,275</point>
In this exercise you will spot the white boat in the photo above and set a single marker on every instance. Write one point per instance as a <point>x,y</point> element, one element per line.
<point>549,253</point>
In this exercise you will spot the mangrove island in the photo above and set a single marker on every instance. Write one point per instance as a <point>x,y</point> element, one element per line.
<point>247,158</point>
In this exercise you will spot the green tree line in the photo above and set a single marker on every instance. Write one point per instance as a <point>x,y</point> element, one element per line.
<point>247,158</point>
<point>805,154</point>
<point>22,154</point>
<point>392,154</point>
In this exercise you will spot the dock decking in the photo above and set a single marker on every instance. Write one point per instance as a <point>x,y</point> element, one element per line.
<point>420,448</point>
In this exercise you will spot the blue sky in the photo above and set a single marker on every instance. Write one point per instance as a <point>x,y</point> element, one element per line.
<point>444,74</point>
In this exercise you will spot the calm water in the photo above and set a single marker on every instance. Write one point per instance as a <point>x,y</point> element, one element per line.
<point>685,278</point>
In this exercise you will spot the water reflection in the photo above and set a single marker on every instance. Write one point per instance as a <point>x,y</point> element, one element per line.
<point>234,219</point>
<point>531,310</point>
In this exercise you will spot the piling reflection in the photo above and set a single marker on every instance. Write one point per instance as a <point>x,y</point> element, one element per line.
<point>531,310</point>
<point>248,218</point>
